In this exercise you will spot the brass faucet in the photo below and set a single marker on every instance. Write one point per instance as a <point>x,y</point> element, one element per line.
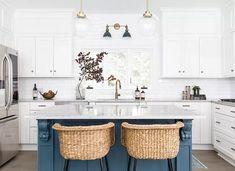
<point>118,82</point>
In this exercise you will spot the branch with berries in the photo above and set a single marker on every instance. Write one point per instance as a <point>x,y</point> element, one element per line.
<point>90,67</point>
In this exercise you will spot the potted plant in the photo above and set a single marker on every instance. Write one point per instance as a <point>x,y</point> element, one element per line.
<point>90,68</point>
<point>196,90</point>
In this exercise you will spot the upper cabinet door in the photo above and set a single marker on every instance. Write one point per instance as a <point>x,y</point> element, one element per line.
<point>228,55</point>
<point>172,56</point>
<point>63,57</point>
<point>190,56</point>
<point>26,48</point>
<point>44,57</point>
<point>210,57</point>
<point>181,57</point>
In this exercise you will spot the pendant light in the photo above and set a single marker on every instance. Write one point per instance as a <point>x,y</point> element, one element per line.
<point>147,24</point>
<point>82,22</point>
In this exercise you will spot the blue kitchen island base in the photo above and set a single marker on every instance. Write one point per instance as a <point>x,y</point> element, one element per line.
<point>49,158</point>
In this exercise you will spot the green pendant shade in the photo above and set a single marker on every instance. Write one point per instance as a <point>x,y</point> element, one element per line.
<point>127,33</point>
<point>107,33</point>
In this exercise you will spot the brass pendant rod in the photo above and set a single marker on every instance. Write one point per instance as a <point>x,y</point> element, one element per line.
<point>81,3</point>
<point>147,5</point>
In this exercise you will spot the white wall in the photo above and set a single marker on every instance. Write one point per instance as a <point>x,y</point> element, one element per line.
<point>6,29</point>
<point>161,88</point>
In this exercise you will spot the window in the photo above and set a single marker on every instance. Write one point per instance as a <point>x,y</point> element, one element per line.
<point>131,66</point>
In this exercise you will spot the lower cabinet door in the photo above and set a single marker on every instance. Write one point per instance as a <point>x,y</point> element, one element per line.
<point>33,135</point>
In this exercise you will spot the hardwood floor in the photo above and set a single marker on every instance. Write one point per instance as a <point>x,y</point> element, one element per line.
<point>212,161</point>
<point>26,161</point>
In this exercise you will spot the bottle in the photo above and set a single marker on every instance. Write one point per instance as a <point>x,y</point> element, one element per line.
<point>35,92</point>
<point>137,94</point>
<point>142,95</point>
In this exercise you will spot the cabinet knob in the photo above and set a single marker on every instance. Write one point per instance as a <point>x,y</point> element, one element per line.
<point>32,71</point>
<point>232,70</point>
<point>183,71</point>
<point>54,70</point>
<point>218,122</point>
<point>50,70</point>
<point>202,72</point>
<point>218,141</point>
<point>179,71</point>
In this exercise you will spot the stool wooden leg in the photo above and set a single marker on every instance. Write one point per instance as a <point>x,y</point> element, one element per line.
<point>170,166</point>
<point>66,165</point>
<point>135,164</point>
<point>101,164</point>
<point>106,163</point>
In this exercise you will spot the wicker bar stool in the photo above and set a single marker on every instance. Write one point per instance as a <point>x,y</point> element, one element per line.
<point>157,142</point>
<point>85,142</point>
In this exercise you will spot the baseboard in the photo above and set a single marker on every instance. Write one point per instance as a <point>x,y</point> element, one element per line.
<point>28,147</point>
<point>202,147</point>
<point>226,158</point>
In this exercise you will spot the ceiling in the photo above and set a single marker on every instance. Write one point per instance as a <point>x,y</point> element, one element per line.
<point>113,6</point>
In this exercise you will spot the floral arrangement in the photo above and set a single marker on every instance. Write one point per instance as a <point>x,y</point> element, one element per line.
<point>90,68</point>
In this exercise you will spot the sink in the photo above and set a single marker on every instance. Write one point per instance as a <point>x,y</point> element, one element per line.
<point>124,100</point>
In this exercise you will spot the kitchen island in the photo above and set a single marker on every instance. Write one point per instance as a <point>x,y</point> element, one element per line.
<point>49,158</point>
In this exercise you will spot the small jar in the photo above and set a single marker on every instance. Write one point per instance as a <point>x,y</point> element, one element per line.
<point>142,95</point>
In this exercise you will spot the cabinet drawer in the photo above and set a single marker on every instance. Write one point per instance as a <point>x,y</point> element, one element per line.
<point>225,144</point>
<point>225,110</point>
<point>40,105</point>
<point>33,136</point>
<point>225,124</point>
<point>189,106</point>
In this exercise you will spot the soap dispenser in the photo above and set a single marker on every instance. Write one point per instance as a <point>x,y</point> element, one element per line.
<point>137,93</point>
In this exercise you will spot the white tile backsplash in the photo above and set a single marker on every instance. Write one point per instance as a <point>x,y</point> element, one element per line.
<point>165,89</point>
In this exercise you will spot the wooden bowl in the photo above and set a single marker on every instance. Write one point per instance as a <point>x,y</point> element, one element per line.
<point>48,95</point>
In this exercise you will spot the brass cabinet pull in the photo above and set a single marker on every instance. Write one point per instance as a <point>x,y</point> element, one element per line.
<point>218,141</point>
<point>217,108</point>
<point>218,122</point>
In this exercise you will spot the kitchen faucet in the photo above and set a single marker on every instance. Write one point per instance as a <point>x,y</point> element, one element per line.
<point>118,82</point>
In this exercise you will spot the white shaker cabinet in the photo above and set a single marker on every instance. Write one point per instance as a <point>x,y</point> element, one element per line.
<point>196,127</point>
<point>172,53</point>
<point>180,56</point>
<point>210,56</point>
<point>28,123</point>
<point>63,63</point>
<point>192,57</point>
<point>44,57</point>
<point>26,47</point>
<point>228,55</point>
<point>201,129</point>
<point>24,111</point>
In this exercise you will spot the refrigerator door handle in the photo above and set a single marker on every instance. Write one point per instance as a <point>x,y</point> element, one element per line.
<point>5,62</point>
<point>10,79</point>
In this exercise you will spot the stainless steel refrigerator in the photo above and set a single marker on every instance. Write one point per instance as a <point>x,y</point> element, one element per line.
<point>9,124</point>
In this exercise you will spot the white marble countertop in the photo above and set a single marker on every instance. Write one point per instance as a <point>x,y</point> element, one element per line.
<point>116,101</point>
<point>77,111</point>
